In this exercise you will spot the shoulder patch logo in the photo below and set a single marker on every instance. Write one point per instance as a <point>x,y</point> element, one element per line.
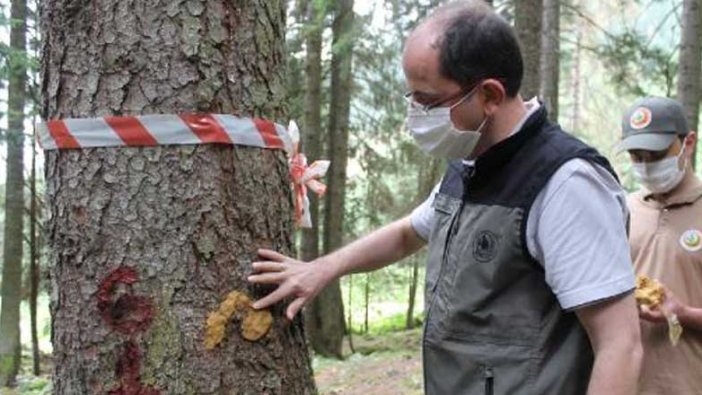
<point>691,240</point>
<point>485,246</point>
<point>640,118</point>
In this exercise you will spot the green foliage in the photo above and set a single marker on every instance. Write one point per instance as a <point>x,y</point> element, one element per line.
<point>6,364</point>
<point>12,59</point>
<point>637,67</point>
<point>388,324</point>
<point>29,385</point>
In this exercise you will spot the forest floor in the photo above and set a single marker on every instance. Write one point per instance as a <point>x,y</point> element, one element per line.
<point>386,364</point>
<point>382,364</point>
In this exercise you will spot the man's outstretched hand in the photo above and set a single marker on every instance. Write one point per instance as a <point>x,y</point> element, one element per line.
<point>300,280</point>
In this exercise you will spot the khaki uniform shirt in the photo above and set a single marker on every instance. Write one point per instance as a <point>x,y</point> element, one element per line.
<point>666,244</point>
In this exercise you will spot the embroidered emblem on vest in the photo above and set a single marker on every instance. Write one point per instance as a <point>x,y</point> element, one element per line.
<point>691,240</point>
<point>485,246</point>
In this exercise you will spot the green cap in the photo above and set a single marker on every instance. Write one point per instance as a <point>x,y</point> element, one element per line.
<point>652,123</point>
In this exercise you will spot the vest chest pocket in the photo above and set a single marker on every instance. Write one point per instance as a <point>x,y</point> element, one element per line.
<point>495,292</point>
<point>445,208</point>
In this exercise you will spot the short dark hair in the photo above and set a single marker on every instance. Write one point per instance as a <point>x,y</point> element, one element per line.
<point>478,44</point>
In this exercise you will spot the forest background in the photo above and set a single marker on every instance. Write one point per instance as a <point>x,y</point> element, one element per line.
<point>587,60</point>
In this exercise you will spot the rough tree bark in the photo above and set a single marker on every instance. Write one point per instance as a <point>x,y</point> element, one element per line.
<point>145,242</point>
<point>326,323</point>
<point>14,198</point>
<point>527,23</point>
<point>550,56</point>
<point>688,92</point>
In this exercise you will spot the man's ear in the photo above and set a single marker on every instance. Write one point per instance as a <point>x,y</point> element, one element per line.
<point>691,140</point>
<point>494,95</point>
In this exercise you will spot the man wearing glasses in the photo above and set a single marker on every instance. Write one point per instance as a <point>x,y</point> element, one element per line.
<point>529,278</point>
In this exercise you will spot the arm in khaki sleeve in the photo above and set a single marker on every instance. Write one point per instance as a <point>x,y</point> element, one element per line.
<point>304,280</point>
<point>613,329</point>
<point>690,317</point>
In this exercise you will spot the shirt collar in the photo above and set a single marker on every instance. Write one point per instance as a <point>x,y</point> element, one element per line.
<point>687,192</point>
<point>531,107</point>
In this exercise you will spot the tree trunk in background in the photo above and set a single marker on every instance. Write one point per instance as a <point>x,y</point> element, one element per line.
<point>527,23</point>
<point>349,323</point>
<point>326,326</point>
<point>575,77</point>
<point>427,177</point>
<point>366,302</point>
<point>10,346</point>
<point>312,128</point>
<point>550,56</point>
<point>689,64</point>
<point>414,282</point>
<point>34,259</point>
<point>312,133</point>
<point>146,242</point>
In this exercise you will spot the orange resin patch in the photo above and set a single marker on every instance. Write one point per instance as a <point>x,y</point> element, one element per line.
<point>255,323</point>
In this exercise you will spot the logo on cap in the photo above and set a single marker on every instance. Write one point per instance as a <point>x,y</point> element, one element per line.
<point>691,240</point>
<point>640,118</point>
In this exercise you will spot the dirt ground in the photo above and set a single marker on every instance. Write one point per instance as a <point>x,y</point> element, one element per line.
<point>388,364</point>
<point>383,365</point>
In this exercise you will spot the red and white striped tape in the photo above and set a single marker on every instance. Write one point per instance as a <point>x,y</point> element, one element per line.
<point>304,177</point>
<point>152,130</point>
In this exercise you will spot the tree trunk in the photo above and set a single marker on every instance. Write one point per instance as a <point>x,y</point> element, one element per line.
<point>312,131</point>
<point>10,346</point>
<point>314,313</point>
<point>575,110</point>
<point>366,302</point>
<point>690,62</point>
<point>414,280</point>
<point>34,259</point>
<point>527,23</point>
<point>349,324</point>
<point>327,325</point>
<point>550,56</point>
<point>427,177</point>
<point>146,242</point>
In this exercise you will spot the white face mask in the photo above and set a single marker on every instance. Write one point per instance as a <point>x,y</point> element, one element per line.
<point>436,135</point>
<point>661,176</point>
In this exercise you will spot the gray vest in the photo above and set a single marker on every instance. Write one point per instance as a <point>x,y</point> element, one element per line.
<point>493,325</point>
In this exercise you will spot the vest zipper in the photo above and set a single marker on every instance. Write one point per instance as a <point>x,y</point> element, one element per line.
<point>489,380</point>
<point>451,232</point>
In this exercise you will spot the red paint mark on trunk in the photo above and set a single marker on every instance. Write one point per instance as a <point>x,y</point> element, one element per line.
<point>127,314</point>
<point>129,372</point>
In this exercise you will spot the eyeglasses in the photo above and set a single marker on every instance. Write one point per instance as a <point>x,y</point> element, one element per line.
<point>463,94</point>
